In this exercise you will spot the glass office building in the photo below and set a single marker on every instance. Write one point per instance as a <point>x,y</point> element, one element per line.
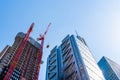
<point>111,70</point>
<point>72,60</point>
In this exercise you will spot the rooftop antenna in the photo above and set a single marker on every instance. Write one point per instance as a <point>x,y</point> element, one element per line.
<point>76,33</point>
<point>79,37</point>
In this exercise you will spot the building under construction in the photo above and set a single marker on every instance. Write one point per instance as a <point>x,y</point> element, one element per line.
<point>27,64</point>
<point>22,60</point>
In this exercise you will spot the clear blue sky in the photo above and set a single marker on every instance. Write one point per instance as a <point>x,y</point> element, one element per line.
<point>98,21</point>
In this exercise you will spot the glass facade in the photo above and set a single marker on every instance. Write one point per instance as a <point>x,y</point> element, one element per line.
<point>89,62</point>
<point>74,61</point>
<point>111,70</point>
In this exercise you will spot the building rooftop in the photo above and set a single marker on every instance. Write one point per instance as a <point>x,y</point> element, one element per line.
<point>31,40</point>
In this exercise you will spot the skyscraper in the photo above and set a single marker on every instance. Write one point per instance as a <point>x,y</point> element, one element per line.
<point>110,69</point>
<point>27,64</point>
<point>72,60</point>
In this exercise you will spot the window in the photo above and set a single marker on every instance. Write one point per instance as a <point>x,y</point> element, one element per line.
<point>52,61</point>
<point>68,69</point>
<point>68,60</point>
<point>52,68</point>
<point>51,75</point>
<point>66,47</point>
<point>65,54</point>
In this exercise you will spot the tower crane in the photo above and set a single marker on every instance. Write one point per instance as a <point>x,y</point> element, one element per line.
<point>39,58</point>
<point>18,53</point>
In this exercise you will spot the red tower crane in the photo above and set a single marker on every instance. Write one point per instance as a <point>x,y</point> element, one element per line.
<point>17,55</point>
<point>39,59</point>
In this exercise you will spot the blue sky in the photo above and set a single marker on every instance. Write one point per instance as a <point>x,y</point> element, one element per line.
<point>98,21</point>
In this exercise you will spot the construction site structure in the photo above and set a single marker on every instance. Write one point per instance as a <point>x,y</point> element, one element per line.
<point>39,59</point>
<point>25,63</point>
<point>18,54</point>
<point>22,60</point>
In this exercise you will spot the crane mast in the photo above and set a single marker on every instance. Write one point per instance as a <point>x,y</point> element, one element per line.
<point>39,59</point>
<point>18,53</point>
